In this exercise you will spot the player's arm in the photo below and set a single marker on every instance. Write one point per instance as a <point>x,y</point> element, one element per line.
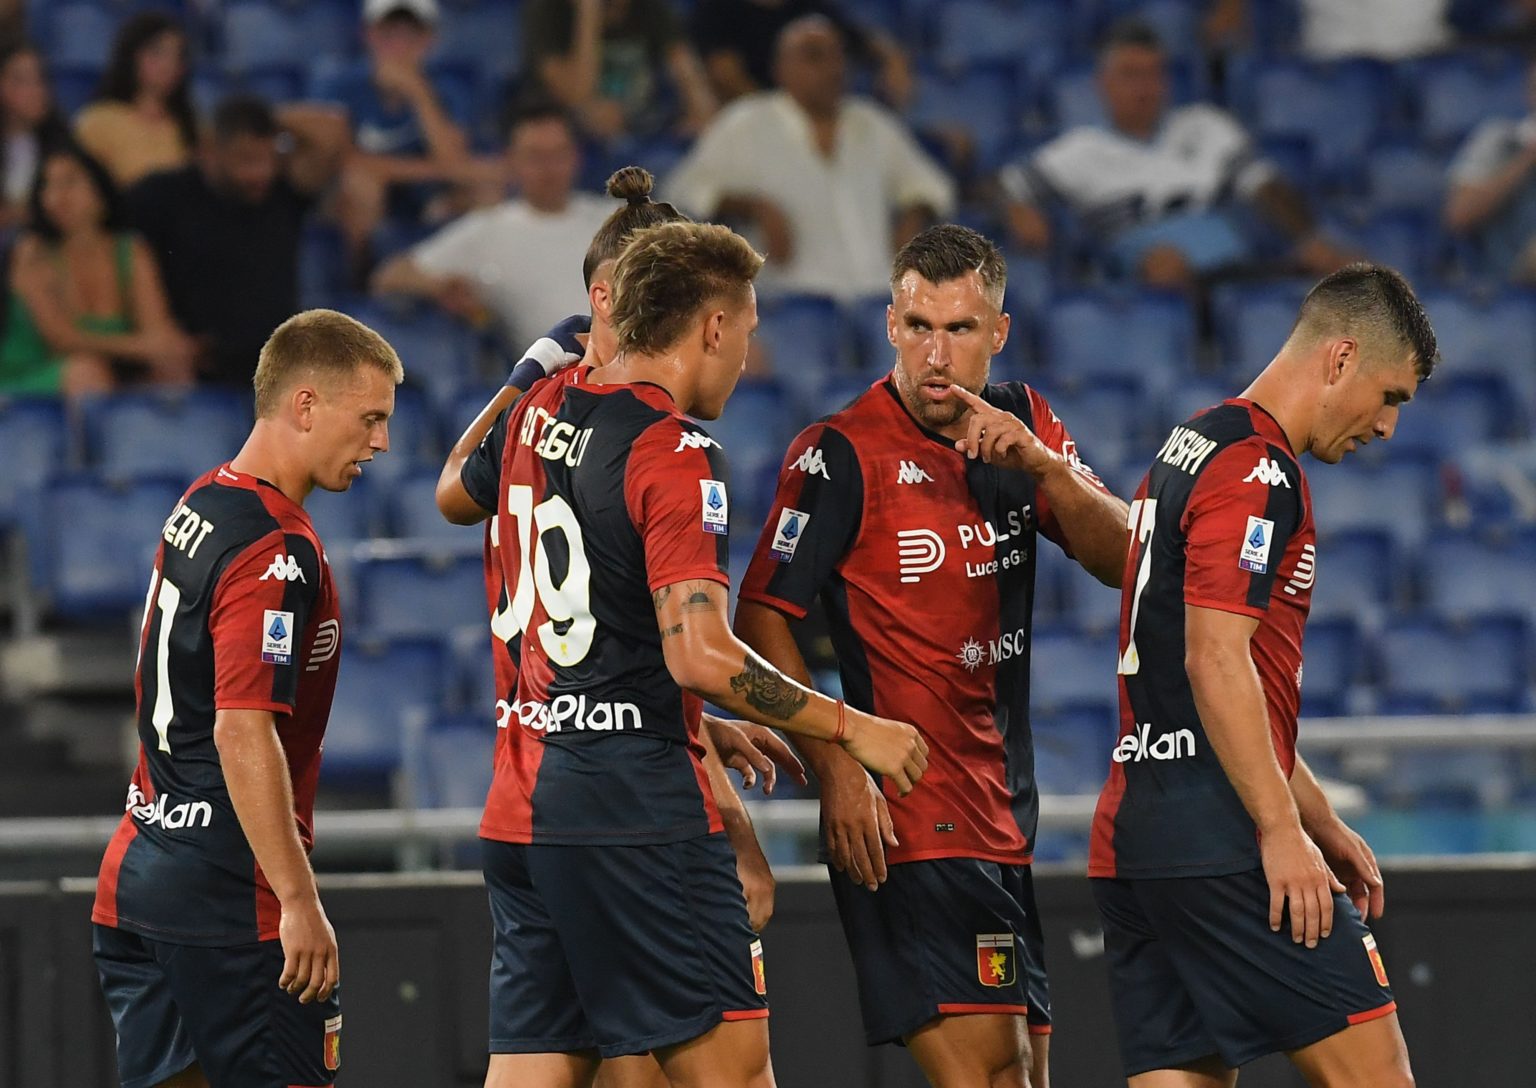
<point>752,751</point>
<point>1230,700</point>
<point>858,821</point>
<point>256,774</point>
<point>705,657</point>
<point>751,866</point>
<point>320,138</point>
<point>558,348</point>
<point>1094,521</point>
<point>1348,855</point>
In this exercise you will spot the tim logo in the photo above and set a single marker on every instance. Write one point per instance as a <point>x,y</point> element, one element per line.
<point>1306,571</point>
<point>912,473</point>
<point>1269,473</point>
<point>811,464</point>
<point>996,964</point>
<point>285,568</point>
<point>918,552</point>
<point>327,642</point>
<point>689,440</point>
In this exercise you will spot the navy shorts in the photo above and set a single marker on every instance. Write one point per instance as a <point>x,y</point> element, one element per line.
<point>618,949</point>
<point>945,937</point>
<point>1195,971</point>
<point>175,1004</point>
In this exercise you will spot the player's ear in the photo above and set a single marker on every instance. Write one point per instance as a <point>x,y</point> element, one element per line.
<point>304,399</point>
<point>714,330</point>
<point>600,296</point>
<point>890,324</point>
<point>1000,331</point>
<point>1343,356</point>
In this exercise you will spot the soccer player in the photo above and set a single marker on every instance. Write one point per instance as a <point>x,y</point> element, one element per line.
<point>913,514</point>
<point>621,924</point>
<point>1217,861</point>
<point>214,952</point>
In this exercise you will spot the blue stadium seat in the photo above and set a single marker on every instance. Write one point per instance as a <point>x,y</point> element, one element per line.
<point>1358,576</point>
<point>1070,670</point>
<point>438,352</point>
<point>456,762</point>
<point>1029,35</point>
<point>261,35</point>
<point>1458,411</point>
<point>1398,494</point>
<point>1109,422</point>
<point>1497,334</point>
<point>344,518</point>
<point>1430,664</point>
<point>1406,177</point>
<point>74,85</point>
<point>1144,335</point>
<point>78,33</point>
<point>34,445</point>
<point>430,593</point>
<point>487,36</point>
<point>1295,98</point>
<point>1455,93</point>
<point>803,339</point>
<point>1464,576</point>
<point>474,670</point>
<point>413,438</point>
<point>1087,603</point>
<point>1334,651</point>
<point>754,430</point>
<point>1072,749</point>
<point>1405,240</point>
<point>413,511</point>
<point>1254,320</point>
<point>1190,396</point>
<point>322,266</point>
<point>379,689</point>
<point>1071,96</point>
<point>277,84</point>
<point>180,434</point>
<point>92,544</point>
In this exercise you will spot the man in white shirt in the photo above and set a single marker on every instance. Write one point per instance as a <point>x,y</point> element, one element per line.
<point>831,185</point>
<point>517,263</point>
<point>1164,193</point>
<point>1492,195</point>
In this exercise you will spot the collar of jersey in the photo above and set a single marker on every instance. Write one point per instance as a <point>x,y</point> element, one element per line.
<point>1274,424</point>
<point>246,481</point>
<point>933,436</point>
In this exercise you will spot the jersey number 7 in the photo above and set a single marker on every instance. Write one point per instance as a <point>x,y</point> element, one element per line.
<point>1143,518</point>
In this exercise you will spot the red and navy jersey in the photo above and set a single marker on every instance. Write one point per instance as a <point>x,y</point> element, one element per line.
<point>1223,520</point>
<point>242,614</point>
<point>925,563</point>
<point>602,495</point>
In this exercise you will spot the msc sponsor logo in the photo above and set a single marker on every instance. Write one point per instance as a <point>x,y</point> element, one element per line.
<point>161,813</point>
<point>692,440</point>
<point>973,654</point>
<point>1139,745</point>
<point>568,712</point>
<point>1267,472</point>
<point>285,568</point>
<point>811,464</point>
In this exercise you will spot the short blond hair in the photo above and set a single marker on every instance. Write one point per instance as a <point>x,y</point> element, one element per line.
<point>322,344</point>
<point>668,273</point>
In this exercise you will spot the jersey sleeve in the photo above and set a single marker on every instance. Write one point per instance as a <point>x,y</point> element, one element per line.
<point>813,524</point>
<point>260,608</point>
<point>1027,403</point>
<point>481,474</point>
<point>1240,516</point>
<point>677,491</point>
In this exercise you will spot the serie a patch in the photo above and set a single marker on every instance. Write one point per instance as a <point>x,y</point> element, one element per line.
<point>277,637</point>
<point>717,513</point>
<point>1257,539</point>
<point>786,537</point>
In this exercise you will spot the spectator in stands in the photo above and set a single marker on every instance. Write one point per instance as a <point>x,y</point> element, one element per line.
<point>601,59</point>
<point>1164,193</point>
<point>1491,199</point>
<point>409,135</point>
<point>517,263</point>
<point>833,185</point>
<point>85,293</point>
<point>736,38</point>
<point>1384,29</point>
<point>29,125</point>
<point>142,119</point>
<point>227,229</point>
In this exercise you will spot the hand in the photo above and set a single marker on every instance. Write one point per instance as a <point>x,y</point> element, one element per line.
<point>895,81</point>
<point>750,749</point>
<point>311,964</point>
<point>603,118</point>
<point>1296,872</point>
<point>1354,863</point>
<point>778,235</point>
<point>458,296</point>
<point>172,353</point>
<point>858,822</point>
<point>757,883</point>
<point>1001,438</point>
<point>893,749</point>
<point>399,78</point>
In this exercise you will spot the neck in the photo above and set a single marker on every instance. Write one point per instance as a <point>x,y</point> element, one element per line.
<point>149,103</point>
<point>1282,392</point>
<point>1139,131</point>
<point>84,238</point>
<point>664,369</point>
<point>267,456</point>
<point>820,114</point>
<point>549,205</point>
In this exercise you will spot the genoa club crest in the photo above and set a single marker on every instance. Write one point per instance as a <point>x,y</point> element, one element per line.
<point>759,978</point>
<point>1376,964</point>
<point>996,962</point>
<point>333,1043</point>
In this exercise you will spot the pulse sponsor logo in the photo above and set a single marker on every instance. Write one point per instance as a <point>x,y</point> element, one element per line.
<point>327,642</point>
<point>918,552</point>
<point>568,712</point>
<point>1305,573</point>
<point>786,537</point>
<point>1139,745</point>
<point>161,813</point>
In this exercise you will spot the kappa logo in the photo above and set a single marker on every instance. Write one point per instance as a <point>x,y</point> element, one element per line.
<point>1268,472</point>
<point>692,440</point>
<point>912,473</point>
<point>811,464</point>
<point>285,568</point>
<point>918,552</point>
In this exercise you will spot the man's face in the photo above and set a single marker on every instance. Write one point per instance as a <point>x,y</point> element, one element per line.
<point>245,166</point>
<point>723,370</point>
<point>945,334</point>
<point>811,68</point>
<point>1362,404</point>
<point>349,424</point>
<point>1133,80</point>
<point>399,38</point>
<point>544,162</point>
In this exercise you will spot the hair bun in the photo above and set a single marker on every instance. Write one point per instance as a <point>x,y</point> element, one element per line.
<point>632,184</point>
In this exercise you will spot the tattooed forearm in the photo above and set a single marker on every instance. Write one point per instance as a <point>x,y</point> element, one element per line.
<point>767,690</point>
<point>698,601</point>
<point>675,629</point>
<point>659,598</point>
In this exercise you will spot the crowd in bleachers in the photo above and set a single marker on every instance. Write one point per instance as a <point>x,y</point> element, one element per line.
<point>175,178</point>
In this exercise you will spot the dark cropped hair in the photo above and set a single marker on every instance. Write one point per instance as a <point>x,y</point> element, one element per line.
<point>120,82</point>
<point>1373,303</point>
<point>52,130</point>
<point>533,108</point>
<point>633,185</point>
<point>1130,31</point>
<point>948,251</point>
<point>106,190</point>
<point>243,115</point>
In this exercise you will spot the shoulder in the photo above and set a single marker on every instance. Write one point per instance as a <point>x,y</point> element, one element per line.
<point>1200,117</point>
<point>1074,147</point>
<point>97,116</point>
<point>746,112</point>
<point>1018,398</point>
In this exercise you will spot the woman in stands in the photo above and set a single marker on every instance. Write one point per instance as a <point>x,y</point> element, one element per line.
<point>142,120</point>
<point>86,296</point>
<point>29,125</point>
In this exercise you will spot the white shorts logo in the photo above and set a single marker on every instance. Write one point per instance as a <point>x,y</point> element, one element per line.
<point>786,538</point>
<point>276,637</point>
<point>716,507</point>
<point>1257,538</point>
<point>919,552</point>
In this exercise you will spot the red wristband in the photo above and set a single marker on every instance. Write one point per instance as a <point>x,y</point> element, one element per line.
<point>842,723</point>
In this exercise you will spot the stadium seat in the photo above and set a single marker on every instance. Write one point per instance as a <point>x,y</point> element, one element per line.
<point>1029,35</point>
<point>474,671</point>
<point>74,85</point>
<point>413,439</point>
<point>754,430</point>
<point>1072,671</point>
<point>421,592</point>
<point>1398,494</point>
<point>1193,395</point>
<point>1087,603</point>
<point>1458,411</point>
<point>866,325</point>
<point>34,445</point>
<point>344,518</point>
<point>179,434</point>
<point>1109,422</point>
<point>1464,576</point>
<point>802,336</point>
<point>487,36</point>
<point>439,352</point>
<point>1405,240</point>
<point>1406,177</point>
<point>1254,320</point>
<point>1071,96</point>
<point>257,34</point>
<point>1431,664</point>
<point>92,543</point>
<point>1359,576</point>
<point>1072,749</point>
<point>1455,93</point>
<point>1294,98</point>
<point>413,512</point>
<point>78,34</point>
<point>455,762</point>
<point>1145,336</point>
<point>1333,654</point>
<point>379,689</point>
<point>1496,334</point>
